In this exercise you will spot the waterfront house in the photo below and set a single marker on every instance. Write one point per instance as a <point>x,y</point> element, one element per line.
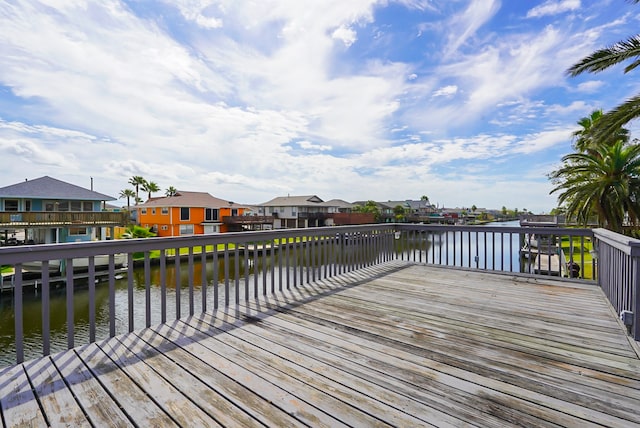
<point>47,210</point>
<point>296,211</point>
<point>188,213</point>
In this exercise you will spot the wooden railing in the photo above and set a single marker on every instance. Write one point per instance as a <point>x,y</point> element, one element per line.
<point>168,278</point>
<point>248,219</point>
<point>619,278</point>
<point>203,271</point>
<point>22,219</point>
<point>522,250</point>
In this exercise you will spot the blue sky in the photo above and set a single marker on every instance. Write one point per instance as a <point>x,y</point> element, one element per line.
<point>465,101</point>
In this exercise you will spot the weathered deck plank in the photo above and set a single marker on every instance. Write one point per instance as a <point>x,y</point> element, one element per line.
<point>55,398</point>
<point>17,400</point>
<point>393,345</point>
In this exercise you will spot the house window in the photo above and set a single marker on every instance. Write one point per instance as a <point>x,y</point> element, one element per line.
<point>87,206</point>
<point>211,214</point>
<point>164,211</point>
<point>186,229</point>
<point>234,212</point>
<point>153,211</point>
<point>164,227</point>
<point>184,214</point>
<point>77,231</point>
<point>27,205</point>
<point>11,205</point>
<point>143,211</point>
<point>76,206</point>
<point>63,206</point>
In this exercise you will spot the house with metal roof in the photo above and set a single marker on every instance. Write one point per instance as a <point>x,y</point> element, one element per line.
<point>47,210</point>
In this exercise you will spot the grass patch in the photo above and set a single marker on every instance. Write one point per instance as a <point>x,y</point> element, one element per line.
<point>581,248</point>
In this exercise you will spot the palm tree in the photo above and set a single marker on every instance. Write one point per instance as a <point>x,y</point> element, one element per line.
<point>127,193</point>
<point>584,140</point>
<point>134,231</point>
<point>137,181</point>
<point>369,207</point>
<point>171,191</point>
<point>150,187</point>
<point>606,182</point>
<point>399,213</point>
<point>601,60</point>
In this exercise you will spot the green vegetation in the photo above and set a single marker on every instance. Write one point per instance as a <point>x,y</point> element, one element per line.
<point>134,231</point>
<point>369,207</point>
<point>601,60</point>
<point>601,179</point>
<point>576,250</point>
<point>150,187</point>
<point>140,183</point>
<point>137,181</point>
<point>171,191</point>
<point>127,193</point>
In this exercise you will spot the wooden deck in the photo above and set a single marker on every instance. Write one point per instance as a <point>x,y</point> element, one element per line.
<point>393,345</point>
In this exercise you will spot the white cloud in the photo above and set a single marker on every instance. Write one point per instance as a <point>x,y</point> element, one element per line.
<point>553,7</point>
<point>307,145</point>
<point>590,87</point>
<point>446,91</point>
<point>346,35</point>
<point>464,25</point>
<point>543,140</point>
<point>574,109</point>
<point>200,11</point>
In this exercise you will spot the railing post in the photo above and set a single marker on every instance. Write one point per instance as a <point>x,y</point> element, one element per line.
<point>635,328</point>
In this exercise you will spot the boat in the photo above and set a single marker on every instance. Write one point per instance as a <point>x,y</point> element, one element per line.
<point>101,262</point>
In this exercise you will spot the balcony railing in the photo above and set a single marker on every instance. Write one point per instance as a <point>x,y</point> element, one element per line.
<point>248,219</point>
<point>167,278</point>
<point>25,219</point>
<point>619,278</point>
<point>312,215</point>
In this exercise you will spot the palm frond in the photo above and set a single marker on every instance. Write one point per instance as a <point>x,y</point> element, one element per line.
<point>604,58</point>
<point>618,117</point>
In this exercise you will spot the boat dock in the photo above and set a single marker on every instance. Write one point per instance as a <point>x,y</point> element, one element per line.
<point>31,280</point>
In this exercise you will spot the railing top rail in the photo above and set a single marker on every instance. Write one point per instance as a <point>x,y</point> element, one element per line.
<point>626,244</point>
<point>40,252</point>
<point>504,229</point>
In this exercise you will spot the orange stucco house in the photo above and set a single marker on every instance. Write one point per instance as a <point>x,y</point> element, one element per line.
<point>186,213</point>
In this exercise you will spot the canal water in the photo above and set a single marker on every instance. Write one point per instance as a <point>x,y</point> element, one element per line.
<point>478,250</point>
<point>432,249</point>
